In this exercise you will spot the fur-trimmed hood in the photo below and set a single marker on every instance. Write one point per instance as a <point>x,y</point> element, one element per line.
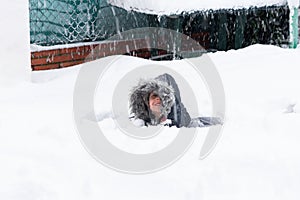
<point>139,99</point>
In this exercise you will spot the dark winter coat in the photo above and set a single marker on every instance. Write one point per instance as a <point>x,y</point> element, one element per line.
<point>167,89</point>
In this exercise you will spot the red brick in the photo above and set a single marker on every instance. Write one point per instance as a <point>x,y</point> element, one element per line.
<point>45,67</point>
<point>41,54</point>
<point>69,50</point>
<point>52,59</point>
<point>39,61</point>
<point>71,63</point>
<point>68,57</point>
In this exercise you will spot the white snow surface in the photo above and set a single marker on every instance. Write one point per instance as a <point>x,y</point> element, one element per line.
<point>14,36</point>
<point>35,47</point>
<point>177,6</point>
<point>257,156</point>
<point>294,3</point>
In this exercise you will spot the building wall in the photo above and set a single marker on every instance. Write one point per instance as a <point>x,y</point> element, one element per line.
<point>214,29</point>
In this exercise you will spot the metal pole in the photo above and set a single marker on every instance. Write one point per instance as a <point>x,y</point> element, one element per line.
<point>293,27</point>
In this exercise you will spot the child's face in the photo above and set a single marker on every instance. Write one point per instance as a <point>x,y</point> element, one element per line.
<point>155,104</point>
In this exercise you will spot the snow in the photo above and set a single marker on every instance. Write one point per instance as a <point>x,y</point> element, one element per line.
<point>35,47</point>
<point>42,156</point>
<point>257,157</point>
<point>294,3</point>
<point>177,6</point>
<point>14,34</point>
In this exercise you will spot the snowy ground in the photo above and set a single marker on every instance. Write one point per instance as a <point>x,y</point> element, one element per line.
<point>42,157</point>
<point>257,156</point>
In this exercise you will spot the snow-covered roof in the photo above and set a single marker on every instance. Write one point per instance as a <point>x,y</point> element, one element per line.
<point>177,6</point>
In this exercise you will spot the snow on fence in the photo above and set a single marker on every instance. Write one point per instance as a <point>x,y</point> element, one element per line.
<point>68,21</point>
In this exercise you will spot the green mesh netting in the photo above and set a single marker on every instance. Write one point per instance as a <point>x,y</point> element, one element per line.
<point>68,21</point>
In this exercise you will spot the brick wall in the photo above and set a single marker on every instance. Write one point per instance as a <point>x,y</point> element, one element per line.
<point>66,57</point>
